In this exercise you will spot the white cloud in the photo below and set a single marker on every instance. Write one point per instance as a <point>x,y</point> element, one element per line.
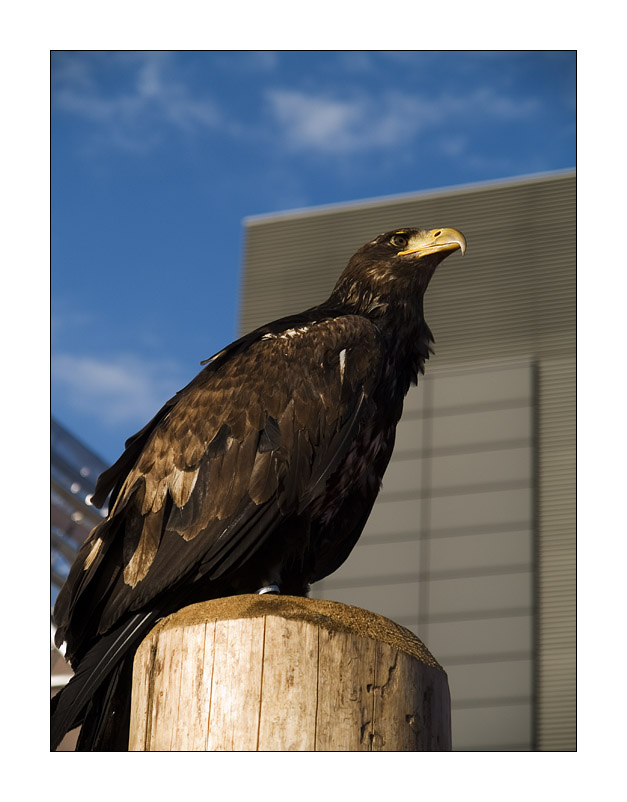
<point>486,103</point>
<point>127,118</point>
<point>325,123</point>
<point>315,122</point>
<point>122,389</point>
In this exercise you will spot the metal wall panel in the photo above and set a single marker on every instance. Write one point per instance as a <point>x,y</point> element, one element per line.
<point>487,509</point>
<point>504,323</point>
<point>503,680</point>
<point>502,728</point>
<point>556,554</point>
<point>454,554</point>
<point>489,640</point>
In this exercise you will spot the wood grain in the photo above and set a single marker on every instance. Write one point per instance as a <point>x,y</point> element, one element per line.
<point>286,674</point>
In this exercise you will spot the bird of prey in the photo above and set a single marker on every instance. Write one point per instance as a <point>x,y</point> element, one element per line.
<point>260,474</point>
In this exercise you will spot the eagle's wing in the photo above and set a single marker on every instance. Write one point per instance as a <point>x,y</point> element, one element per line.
<point>248,443</point>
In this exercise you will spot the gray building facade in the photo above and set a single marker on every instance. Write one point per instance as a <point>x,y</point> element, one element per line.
<point>471,543</point>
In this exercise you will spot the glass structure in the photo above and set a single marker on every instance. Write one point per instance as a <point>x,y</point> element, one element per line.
<point>74,470</point>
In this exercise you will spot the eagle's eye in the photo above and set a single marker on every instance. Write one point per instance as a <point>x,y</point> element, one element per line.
<point>399,241</point>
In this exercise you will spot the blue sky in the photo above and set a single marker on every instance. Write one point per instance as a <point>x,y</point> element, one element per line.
<point>157,157</point>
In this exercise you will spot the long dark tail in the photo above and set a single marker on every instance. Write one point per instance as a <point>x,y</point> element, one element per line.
<point>107,719</point>
<point>98,695</point>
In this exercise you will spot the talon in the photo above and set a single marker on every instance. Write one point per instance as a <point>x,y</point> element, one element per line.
<point>268,589</point>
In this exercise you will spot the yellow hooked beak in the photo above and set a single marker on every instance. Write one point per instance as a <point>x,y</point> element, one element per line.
<point>440,239</point>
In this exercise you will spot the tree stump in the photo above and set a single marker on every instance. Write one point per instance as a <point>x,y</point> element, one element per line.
<point>285,673</point>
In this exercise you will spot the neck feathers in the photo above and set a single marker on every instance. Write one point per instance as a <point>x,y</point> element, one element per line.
<point>396,308</point>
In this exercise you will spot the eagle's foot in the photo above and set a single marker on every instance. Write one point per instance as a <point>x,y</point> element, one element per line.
<point>268,589</point>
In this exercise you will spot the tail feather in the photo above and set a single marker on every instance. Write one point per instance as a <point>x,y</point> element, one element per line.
<point>107,719</point>
<point>68,708</point>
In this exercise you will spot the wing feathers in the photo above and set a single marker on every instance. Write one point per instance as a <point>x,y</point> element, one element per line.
<point>270,439</point>
<point>181,485</point>
<point>297,478</point>
<point>226,454</point>
<point>264,478</point>
<point>243,470</point>
<point>146,549</point>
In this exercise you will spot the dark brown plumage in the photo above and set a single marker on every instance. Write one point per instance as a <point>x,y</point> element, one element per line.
<point>262,471</point>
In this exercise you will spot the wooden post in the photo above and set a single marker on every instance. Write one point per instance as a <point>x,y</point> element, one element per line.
<point>285,673</point>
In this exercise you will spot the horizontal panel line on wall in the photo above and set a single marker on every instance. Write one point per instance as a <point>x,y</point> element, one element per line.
<point>479,615</point>
<point>421,576</point>
<point>508,747</point>
<point>403,537</point>
<point>450,451</point>
<point>479,659</point>
<point>390,496</point>
<point>504,701</point>
<point>462,409</point>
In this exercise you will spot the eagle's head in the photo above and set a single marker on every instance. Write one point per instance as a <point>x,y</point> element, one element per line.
<point>395,268</point>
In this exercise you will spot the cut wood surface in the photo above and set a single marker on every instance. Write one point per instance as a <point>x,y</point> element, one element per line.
<point>286,673</point>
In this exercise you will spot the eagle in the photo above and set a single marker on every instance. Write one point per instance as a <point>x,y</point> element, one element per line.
<point>258,476</point>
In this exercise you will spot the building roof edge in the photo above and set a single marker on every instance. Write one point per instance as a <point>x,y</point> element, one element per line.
<point>424,193</point>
